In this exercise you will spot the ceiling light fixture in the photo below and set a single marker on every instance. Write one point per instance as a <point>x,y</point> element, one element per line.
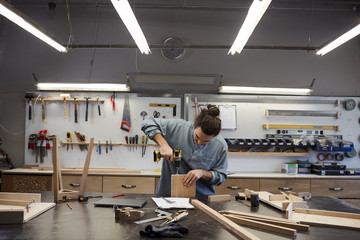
<point>92,87</point>
<point>26,23</point>
<point>256,11</point>
<point>127,16</point>
<point>265,90</point>
<point>339,41</point>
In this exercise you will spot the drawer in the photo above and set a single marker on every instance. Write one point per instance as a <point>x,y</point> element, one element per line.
<point>336,188</point>
<point>129,184</point>
<point>25,183</point>
<point>237,185</point>
<point>72,182</point>
<point>284,184</point>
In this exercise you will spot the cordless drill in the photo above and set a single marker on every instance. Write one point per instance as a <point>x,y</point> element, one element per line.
<point>176,155</point>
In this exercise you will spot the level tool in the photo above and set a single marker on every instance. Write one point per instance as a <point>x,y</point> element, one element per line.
<point>291,126</point>
<point>173,106</point>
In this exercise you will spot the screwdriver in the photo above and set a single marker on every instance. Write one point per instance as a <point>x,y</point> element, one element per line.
<point>136,140</point>
<point>127,141</point>
<point>142,147</point>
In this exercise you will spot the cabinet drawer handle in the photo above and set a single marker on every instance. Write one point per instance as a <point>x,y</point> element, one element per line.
<point>74,184</point>
<point>234,187</point>
<point>285,188</point>
<point>338,189</point>
<point>128,186</point>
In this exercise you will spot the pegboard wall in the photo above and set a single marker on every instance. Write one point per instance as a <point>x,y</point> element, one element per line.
<point>251,112</point>
<point>102,128</point>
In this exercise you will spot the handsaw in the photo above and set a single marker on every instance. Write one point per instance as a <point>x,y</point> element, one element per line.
<point>125,123</point>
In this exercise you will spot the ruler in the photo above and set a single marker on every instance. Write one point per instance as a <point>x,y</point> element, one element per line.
<point>291,126</point>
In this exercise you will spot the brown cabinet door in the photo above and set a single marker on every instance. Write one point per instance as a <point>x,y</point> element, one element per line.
<point>237,185</point>
<point>129,184</point>
<point>336,188</point>
<point>276,185</point>
<point>72,182</point>
<point>25,183</point>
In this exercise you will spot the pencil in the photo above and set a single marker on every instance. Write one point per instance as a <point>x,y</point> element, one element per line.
<point>118,195</point>
<point>69,206</point>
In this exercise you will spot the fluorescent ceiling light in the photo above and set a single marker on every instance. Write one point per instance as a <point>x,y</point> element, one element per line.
<point>256,11</point>
<point>340,40</point>
<point>127,16</point>
<point>22,21</point>
<point>265,90</point>
<point>100,87</point>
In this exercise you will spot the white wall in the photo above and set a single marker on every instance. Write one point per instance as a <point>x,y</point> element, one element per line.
<point>21,54</point>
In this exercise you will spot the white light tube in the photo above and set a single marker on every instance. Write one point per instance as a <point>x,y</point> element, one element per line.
<point>99,87</point>
<point>265,90</point>
<point>256,11</point>
<point>127,16</point>
<point>340,40</point>
<point>7,11</point>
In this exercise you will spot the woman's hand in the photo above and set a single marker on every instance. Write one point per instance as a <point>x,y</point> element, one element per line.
<point>192,176</point>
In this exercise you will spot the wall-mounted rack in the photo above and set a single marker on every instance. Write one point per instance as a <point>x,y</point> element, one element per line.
<point>302,113</point>
<point>63,143</point>
<point>67,99</point>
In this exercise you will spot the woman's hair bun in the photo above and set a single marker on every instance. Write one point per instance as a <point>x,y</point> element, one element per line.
<point>213,110</point>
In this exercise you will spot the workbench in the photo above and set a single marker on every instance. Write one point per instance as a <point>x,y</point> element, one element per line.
<point>84,221</point>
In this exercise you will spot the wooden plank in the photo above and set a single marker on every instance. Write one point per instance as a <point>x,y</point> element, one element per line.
<point>21,196</point>
<point>219,198</point>
<point>328,213</point>
<point>326,221</point>
<point>225,222</point>
<point>37,209</point>
<point>56,166</point>
<point>86,167</point>
<point>262,225</point>
<point>289,224</point>
<point>14,202</point>
<point>277,197</point>
<point>179,190</point>
<point>258,216</point>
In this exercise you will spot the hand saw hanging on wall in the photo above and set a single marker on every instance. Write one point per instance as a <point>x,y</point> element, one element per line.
<point>125,123</point>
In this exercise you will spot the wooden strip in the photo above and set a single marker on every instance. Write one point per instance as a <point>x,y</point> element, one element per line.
<point>302,204</point>
<point>179,190</point>
<point>21,196</point>
<point>225,222</point>
<point>328,213</point>
<point>289,224</point>
<point>219,198</point>
<point>86,167</point>
<point>277,197</point>
<point>326,221</point>
<point>56,165</point>
<point>258,216</point>
<point>262,225</point>
<point>13,202</point>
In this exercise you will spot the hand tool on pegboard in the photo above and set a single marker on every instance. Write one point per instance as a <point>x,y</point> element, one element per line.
<point>125,123</point>
<point>43,110</point>
<point>75,111</point>
<point>107,146</point>
<point>112,100</point>
<point>142,147</point>
<point>87,109</point>
<point>81,138</point>
<point>98,105</point>
<point>69,140</point>
<point>173,106</point>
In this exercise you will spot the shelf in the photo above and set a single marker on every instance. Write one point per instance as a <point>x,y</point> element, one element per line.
<point>270,154</point>
<point>58,99</point>
<point>104,143</point>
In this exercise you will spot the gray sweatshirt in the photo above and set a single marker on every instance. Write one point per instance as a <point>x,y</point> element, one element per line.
<point>211,156</point>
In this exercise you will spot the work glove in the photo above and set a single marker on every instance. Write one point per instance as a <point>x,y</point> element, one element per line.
<point>173,231</point>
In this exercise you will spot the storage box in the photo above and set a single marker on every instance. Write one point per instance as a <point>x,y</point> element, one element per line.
<point>289,168</point>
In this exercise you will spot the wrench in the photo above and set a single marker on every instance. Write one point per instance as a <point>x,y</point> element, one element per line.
<point>160,215</point>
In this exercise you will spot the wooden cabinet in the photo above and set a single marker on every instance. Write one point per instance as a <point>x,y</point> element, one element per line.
<point>232,185</point>
<point>340,188</point>
<point>116,184</point>
<point>72,182</point>
<point>284,184</point>
<point>25,183</point>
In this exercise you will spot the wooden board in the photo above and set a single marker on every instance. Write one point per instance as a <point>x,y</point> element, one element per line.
<point>262,225</point>
<point>226,223</point>
<point>281,205</point>
<point>179,190</point>
<point>21,196</point>
<point>219,198</point>
<point>326,221</point>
